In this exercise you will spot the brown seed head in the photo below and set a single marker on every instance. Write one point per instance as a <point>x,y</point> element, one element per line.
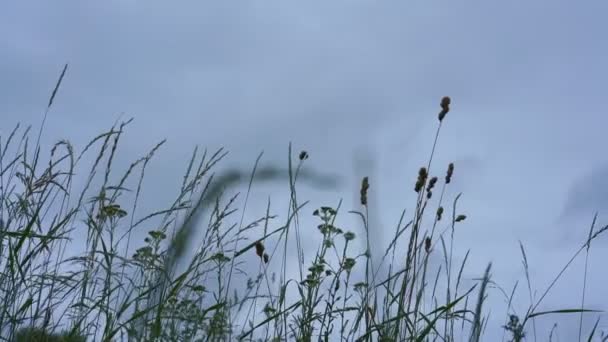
<point>427,244</point>
<point>445,102</point>
<point>422,172</point>
<point>439,213</point>
<point>259,248</point>
<point>445,107</point>
<point>422,175</point>
<point>431,184</point>
<point>364,188</point>
<point>448,176</point>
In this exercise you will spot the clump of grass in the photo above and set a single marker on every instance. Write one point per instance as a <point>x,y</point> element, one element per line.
<point>39,335</point>
<point>148,277</point>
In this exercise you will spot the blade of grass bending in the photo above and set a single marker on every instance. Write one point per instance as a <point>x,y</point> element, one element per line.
<point>476,330</point>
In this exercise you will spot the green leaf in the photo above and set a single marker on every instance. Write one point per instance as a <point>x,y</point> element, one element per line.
<point>536,314</point>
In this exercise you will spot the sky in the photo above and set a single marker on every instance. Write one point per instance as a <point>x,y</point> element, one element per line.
<point>349,81</point>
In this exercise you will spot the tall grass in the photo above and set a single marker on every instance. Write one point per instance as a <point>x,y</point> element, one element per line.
<point>73,267</point>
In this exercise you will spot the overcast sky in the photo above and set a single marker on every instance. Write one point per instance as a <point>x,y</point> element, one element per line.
<point>349,80</point>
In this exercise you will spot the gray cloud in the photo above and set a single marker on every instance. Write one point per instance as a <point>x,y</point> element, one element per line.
<point>588,194</point>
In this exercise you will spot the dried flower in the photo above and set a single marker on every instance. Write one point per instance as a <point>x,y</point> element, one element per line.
<point>364,188</point>
<point>303,155</point>
<point>460,218</point>
<point>266,257</point>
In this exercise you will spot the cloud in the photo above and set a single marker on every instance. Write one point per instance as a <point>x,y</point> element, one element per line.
<point>588,194</point>
<point>338,80</point>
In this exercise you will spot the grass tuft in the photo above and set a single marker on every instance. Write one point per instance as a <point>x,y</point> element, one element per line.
<point>79,261</point>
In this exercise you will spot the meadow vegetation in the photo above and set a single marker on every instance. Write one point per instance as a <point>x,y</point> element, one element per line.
<point>233,284</point>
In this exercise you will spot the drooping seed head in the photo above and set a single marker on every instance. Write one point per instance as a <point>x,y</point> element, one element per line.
<point>445,102</point>
<point>445,107</point>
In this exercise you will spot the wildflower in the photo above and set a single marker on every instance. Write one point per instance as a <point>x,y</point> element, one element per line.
<point>328,211</point>
<point>348,264</point>
<point>348,236</point>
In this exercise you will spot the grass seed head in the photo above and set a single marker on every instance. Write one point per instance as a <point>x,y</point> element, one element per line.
<point>422,175</point>
<point>432,183</point>
<point>259,248</point>
<point>364,188</point>
<point>439,213</point>
<point>448,176</point>
<point>445,102</point>
<point>445,107</point>
<point>427,244</point>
